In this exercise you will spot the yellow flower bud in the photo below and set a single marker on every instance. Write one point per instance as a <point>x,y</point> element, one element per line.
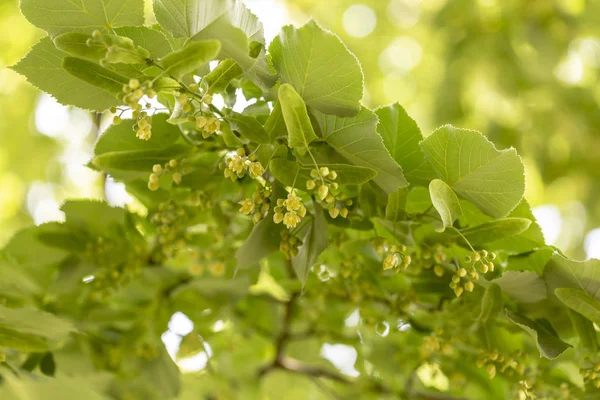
<point>153,186</point>
<point>134,84</point>
<point>177,178</point>
<point>157,168</point>
<point>323,191</point>
<point>324,171</point>
<point>310,185</point>
<point>344,212</point>
<point>469,286</point>
<point>439,270</point>
<point>334,212</point>
<point>277,218</point>
<point>172,163</point>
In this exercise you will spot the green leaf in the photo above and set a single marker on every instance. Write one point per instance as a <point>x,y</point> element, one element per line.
<point>561,272</point>
<point>30,321</point>
<point>493,180</point>
<point>248,127</point>
<point>228,21</point>
<point>42,67</point>
<point>356,139</point>
<point>60,16</point>
<point>42,388</point>
<point>94,216</point>
<point>321,69</point>
<point>262,241</point>
<point>445,202</point>
<point>528,240</point>
<point>396,204</point>
<point>299,128</point>
<point>418,200</point>
<point>314,242</point>
<point>525,286</point>
<point>402,136</point>
<point>11,339</point>
<point>534,261</point>
<point>95,74</point>
<point>224,72</point>
<point>495,230</point>
<point>585,330</point>
<point>275,124</point>
<point>549,345</point>
<point>191,57</point>
<point>491,304</point>
<point>580,302</point>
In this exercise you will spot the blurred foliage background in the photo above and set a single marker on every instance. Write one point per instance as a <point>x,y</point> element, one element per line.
<point>525,73</point>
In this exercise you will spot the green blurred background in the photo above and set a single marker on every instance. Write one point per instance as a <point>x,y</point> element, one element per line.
<point>523,72</point>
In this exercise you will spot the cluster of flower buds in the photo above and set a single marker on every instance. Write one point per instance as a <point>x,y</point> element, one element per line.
<point>494,362</point>
<point>481,260</point>
<point>396,257</point>
<point>170,220</point>
<point>173,167</point>
<point>117,49</point>
<point>326,189</point>
<point>132,94</point>
<point>435,260</point>
<point>434,344</point>
<point>289,244</point>
<point>464,276</point>
<point>590,371</point>
<point>290,211</point>
<point>237,164</point>
<point>259,204</point>
<point>525,391</point>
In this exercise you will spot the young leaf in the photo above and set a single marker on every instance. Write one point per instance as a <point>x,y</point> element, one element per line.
<point>224,72</point>
<point>493,180</point>
<point>580,302</point>
<point>27,387</point>
<point>262,241</point>
<point>356,139</point>
<point>445,202</point>
<point>495,230</point>
<point>94,216</point>
<point>248,127</point>
<point>42,67</point>
<point>191,57</point>
<point>60,16</point>
<point>95,74</point>
<point>300,130</point>
<point>549,345</point>
<point>321,69</point>
<point>402,136</point>
<point>418,200</point>
<point>314,242</point>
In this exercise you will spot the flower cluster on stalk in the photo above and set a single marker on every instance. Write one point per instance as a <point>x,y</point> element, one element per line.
<point>323,185</point>
<point>290,211</point>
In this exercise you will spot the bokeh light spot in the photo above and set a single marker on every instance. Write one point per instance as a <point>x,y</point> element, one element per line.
<point>359,20</point>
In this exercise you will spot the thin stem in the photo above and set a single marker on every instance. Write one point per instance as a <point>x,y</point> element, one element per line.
<point>463,238</point>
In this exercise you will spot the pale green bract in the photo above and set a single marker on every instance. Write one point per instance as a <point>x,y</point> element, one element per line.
<point>445,202</point>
